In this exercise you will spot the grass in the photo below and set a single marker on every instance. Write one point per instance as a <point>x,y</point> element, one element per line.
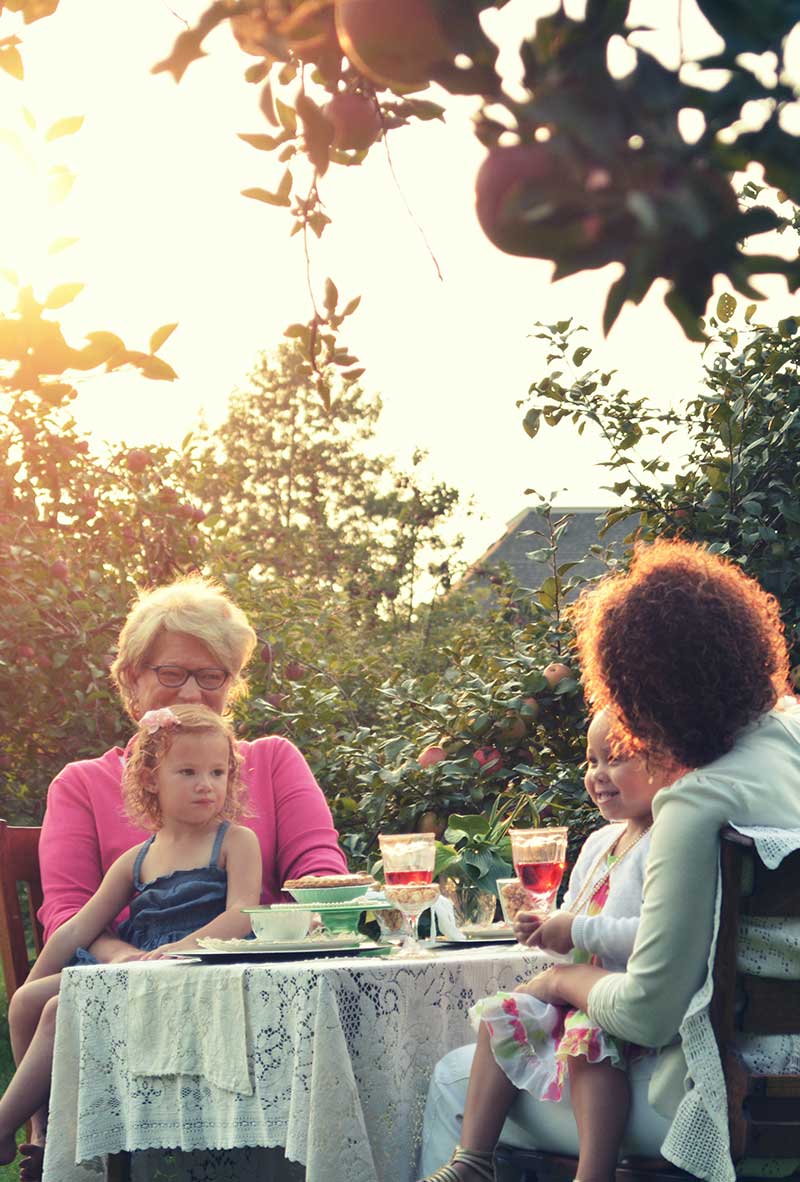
<point>7,1173</point>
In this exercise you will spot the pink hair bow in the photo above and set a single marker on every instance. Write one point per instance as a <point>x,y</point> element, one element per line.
<point>154,720</point>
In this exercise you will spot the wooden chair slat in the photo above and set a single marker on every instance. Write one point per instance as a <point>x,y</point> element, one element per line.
<point>768,1006</point>
<point>772,892</point>
<point>780,1108</point>
<point>773,1139</point>
<point>19,864</point>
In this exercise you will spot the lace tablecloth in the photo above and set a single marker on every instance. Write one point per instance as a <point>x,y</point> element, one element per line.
<point>338,1055</point>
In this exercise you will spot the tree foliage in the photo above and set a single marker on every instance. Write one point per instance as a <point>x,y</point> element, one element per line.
<point>599,169</point>
<point>300,492</point>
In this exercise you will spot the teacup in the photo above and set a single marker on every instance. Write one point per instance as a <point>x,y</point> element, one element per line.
<point>278,925</point>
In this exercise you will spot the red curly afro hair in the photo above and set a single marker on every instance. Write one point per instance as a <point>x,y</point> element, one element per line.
<point>683,648</point>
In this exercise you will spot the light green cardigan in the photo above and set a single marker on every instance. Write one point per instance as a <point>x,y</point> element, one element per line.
<point>757,783</point>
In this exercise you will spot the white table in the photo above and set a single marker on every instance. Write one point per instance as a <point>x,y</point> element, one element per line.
<point>338,1057</point>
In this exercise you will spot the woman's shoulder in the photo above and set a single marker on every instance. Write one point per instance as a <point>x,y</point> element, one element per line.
<point>90,772</point>
<point>273,759</point>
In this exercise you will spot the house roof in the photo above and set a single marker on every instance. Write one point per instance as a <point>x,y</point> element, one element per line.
<point>527,532</point>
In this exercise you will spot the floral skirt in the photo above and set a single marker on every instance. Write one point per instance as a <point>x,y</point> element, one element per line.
<point>531,1041</point>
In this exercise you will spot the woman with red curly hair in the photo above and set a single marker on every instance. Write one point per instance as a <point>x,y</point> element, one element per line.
<point>687,654</point>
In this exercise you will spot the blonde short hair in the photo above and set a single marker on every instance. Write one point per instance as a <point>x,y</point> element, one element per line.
<point>194,606</point>
<point>141,767</point>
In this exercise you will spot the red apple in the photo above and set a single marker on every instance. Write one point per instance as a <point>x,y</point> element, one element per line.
<point>198,514</point>
<point>393,44</point>
<point>528,204</point>
<point>193,540</point>
<point>530,709</point>
<point>294,671</point>
<point>512,728</point>
<point>137,460</point>
<point>59,570</point>
<point>431,822</point>
<point>489,758</point>
<point>356,121</point>
<point>275,700</point>
<point>266,654</point>
<point>186,510</point>
<point>25,653</point>
<point>556,672</point>
<point>431,755</point>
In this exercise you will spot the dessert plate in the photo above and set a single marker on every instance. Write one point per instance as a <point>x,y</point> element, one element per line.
<point>254,949</point>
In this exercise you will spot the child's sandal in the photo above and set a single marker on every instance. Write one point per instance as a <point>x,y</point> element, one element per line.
<point>479,1161</point>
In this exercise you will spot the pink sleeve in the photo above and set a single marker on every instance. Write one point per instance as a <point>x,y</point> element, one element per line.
<point>69,854</point>
<point>306,840</point>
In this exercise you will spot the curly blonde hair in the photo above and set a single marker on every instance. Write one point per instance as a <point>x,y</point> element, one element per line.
<point>141,802</point>
<point>684,648</point>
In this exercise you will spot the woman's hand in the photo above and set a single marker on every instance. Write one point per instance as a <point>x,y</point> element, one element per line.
<point>554,933</point>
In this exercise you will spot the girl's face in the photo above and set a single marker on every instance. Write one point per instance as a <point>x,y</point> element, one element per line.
<point>622,787</point>
<point>192,778</point>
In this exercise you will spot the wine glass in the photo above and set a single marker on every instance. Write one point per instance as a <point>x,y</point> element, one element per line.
<point>408,860</point>
<point>539,857</point>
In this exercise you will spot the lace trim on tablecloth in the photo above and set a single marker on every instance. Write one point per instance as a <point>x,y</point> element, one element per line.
<point>698,1139</point>
<point>339,1062</point>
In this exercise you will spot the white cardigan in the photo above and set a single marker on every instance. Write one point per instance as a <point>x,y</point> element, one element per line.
<point>610,935</point>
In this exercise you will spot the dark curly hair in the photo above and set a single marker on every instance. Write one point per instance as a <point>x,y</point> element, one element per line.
<point>683,648</point>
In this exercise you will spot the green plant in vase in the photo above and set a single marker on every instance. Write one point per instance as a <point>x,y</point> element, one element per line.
<point>476,851</point>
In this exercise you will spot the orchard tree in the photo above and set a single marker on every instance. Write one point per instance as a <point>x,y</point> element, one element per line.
<point>586,166</point>
<point>722,467</point>
<point>298,491</point>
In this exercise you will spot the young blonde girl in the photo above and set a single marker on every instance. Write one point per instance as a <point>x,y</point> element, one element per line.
<point>525,1045</point>
<point>191,878</point>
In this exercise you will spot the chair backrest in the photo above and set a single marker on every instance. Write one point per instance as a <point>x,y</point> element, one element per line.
<point>19,866</point>
<point>763,1110</point>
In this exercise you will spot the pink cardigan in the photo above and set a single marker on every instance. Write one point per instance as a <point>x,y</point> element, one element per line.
<point>85,830</point>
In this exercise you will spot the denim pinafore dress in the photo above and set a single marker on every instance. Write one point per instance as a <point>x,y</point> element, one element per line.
<point>175,904</point>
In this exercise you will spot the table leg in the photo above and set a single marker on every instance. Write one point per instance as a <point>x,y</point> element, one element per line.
<point>118,1168</point>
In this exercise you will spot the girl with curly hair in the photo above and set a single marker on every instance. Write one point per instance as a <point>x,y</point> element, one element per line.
<point>687,656</point>
<point>190,878</point>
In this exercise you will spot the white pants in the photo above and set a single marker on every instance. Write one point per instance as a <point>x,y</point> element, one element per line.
<point>537,1124</point>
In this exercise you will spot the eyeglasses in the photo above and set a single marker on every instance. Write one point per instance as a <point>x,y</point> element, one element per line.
<point>174,676</point>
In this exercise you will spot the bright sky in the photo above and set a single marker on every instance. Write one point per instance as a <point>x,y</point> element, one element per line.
<point>165,236</point>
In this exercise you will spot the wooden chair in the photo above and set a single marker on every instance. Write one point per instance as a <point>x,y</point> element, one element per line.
<point>763,1110</point>
<point>19,866</point>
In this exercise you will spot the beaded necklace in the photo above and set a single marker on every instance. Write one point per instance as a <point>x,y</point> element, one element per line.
<point>590,887</point>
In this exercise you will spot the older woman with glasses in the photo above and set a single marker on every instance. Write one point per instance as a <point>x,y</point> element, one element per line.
<point>182,643</point>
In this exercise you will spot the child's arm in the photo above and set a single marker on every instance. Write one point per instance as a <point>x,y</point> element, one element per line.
<point>113,894</point>
<point>606,936</point>
<point>243,863</point>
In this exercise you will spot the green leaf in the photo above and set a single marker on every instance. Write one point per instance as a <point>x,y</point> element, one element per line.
<point>331,296</point>
<point>265,196</point>
<point>287,115</point>
<point>580,355</point>
<point>11,62</point>
<point>350,307</point>
<point>264,143</point>
<point>160,336</point>
<point>531,422</point>
<point>62,127</point>
<point>63,294</point>
<point>465,827</point>
<point>726,306</point>
<point>59,244</point>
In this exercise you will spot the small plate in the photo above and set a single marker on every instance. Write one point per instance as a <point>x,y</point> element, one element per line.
<point>488,931</point>
<point>297,948</point>
<point>445,941</point>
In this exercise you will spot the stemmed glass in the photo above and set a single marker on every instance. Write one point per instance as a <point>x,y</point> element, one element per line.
<point>539,857</point>
<point>408,861</point>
